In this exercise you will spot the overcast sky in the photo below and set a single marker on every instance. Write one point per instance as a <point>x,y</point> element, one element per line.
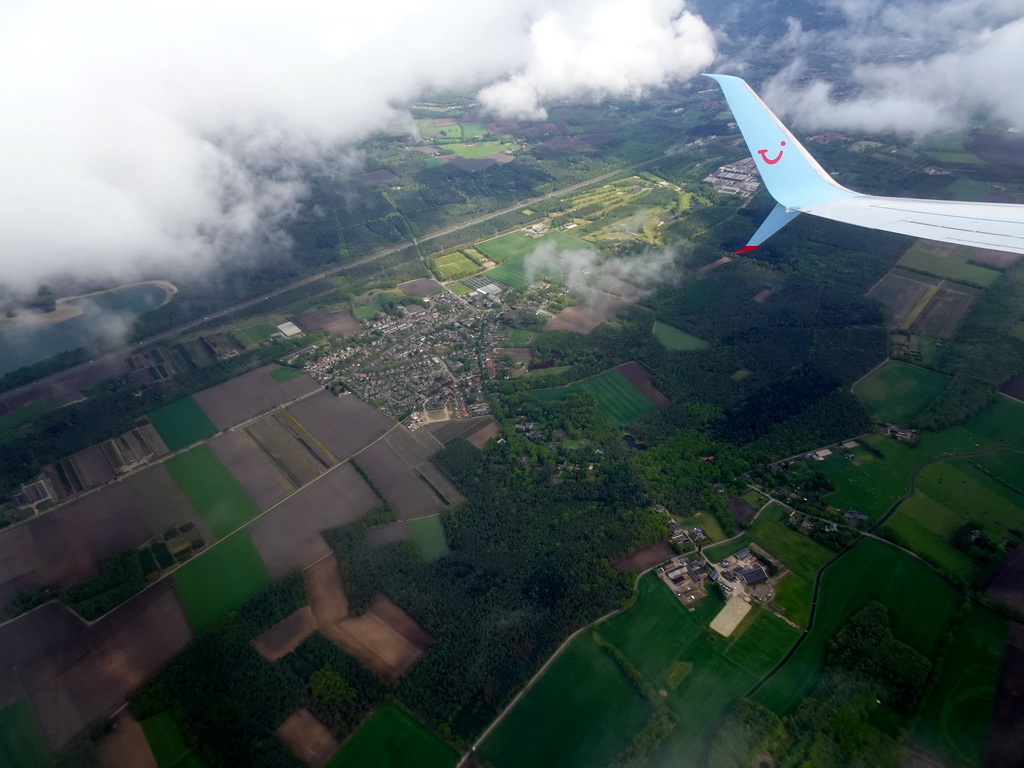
<point>135,133</point>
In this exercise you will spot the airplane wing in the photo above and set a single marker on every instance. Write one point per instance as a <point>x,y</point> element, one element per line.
<point>800,185</point>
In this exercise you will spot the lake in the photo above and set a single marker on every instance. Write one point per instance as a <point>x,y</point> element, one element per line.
<point>108,315</point>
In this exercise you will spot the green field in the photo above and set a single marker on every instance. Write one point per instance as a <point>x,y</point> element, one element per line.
<point>501,249</point>
<point>658,632</point>
<point>800,553</point>
<point>364,312</point>
<point>793,595</point>
<point>873,488</point>
<point>21,741</point>
<point>429,537</point>
<point>897,392</point>
<point>459,289</point>
<point>476,149</point>
<point>284,373</point>
<point>919,603</point>
<point>216,495</point>
<point>392,738</point>
<point>182,423</point>
<point>519,337</point>
<point>619,400</point>
<point>949,494</point>
<point>674,339</point>
<point>957,158</point>
<point>167,742</point>
<point>220,579</point>
<point>580,714</point>
<point>721,551</point>
<point>955,266</point>
<point>9,422</point>
<point>454,266</point>
<point>969,189</point>
<point>254,335</point>
<point>955,714</point>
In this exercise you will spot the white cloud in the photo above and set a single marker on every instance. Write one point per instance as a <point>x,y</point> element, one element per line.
<point>917,67</point>
<point>141,133</point>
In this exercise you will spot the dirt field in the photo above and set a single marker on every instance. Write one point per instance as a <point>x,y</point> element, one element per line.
<point>741,511</point>
<point>762,296</point>
<point>390,533</point>
<point>414,447</point>
<point>308,738</point>
<point>126,745</point>
<point>1005,742</point>
<point>900,294</point>
<point>74,674</point>
<point>639,377</point>
<point>923,304</point>
<point>343,425</point>
<point>287,635</point>
<point>440,483</point>
<point>93,466</point>
<point>735,610</point>
<point>1014,387</point>
<point>489,429</point>
<point>996,259</point>
<point>642,559</point>
<point>288,537</point>
<point>341,323</point>
<point>1008,586</point>
<point>400,485</point>
<point>446,431</point>
<point>597,307</point>
<point>66,546</point>
<point>161,502</point>
<point>262,480</point>
<point>385,639</point>
<point>420,287</point>
<point>944,312</point>
<point>248,395</point>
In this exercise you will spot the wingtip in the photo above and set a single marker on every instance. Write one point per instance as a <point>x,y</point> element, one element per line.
<point>745,249</point>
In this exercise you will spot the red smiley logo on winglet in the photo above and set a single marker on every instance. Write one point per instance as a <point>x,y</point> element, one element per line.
<point>764,154</point>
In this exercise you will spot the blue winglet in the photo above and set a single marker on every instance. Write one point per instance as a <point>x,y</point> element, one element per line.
<point>777,219</point>
<point>788,171</point>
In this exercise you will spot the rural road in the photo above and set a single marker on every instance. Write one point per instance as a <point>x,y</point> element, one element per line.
<point>110,363</point>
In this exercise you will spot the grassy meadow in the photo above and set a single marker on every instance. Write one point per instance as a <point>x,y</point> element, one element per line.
<point>800,553</point>
<point>213,491</point>
<point>619,400</point>
<point>392,738</point>
<point>21,741</point>
<point>182,423</point>
<point>919,602</point>
<point>898,392</point>
<point>674,339</point>
<point>429,537</point>
<point>220,579</point>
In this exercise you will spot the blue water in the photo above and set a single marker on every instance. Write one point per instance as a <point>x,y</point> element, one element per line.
<point>106,315</point>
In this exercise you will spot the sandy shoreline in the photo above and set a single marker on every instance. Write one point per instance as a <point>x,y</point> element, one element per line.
<point>65,309</point>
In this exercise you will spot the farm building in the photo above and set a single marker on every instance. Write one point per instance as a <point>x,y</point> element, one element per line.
<point>752,575</point>
<point>289,329</point>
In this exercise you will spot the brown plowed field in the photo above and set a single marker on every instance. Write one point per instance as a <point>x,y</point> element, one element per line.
<point>489,429</point>
<point>67,545</point>
<point>288,537</point>
<point>429,471</point>
<point>249,395</point>
<point>1014,387</point>
<point>640,378</point>
<point>420,286</point>
<point>900,294</point>
<point>341,323</point>
<point>597,307</point>
<point>943,314</point>
<point>446,431</point>
<point>400,485</point>
<point>386,639</point>
<point>284,441</point>
<point>1005,743</point>
<point>997,259</point>
<point>287,635</point>
<point>644,558</point>
<point>414,448</point>
<point>390,533</point>
<point>125,746</point>
<point>93,466</point>
<point>741,511</point>
<point>1008,585</point>
<point>343,425</point>
<point>160,501</point>
<point>74,674</point>
<point>262,480</point>
<point>308,738</point>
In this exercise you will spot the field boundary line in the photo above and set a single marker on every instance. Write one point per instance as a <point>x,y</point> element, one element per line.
<point>544,667</point>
